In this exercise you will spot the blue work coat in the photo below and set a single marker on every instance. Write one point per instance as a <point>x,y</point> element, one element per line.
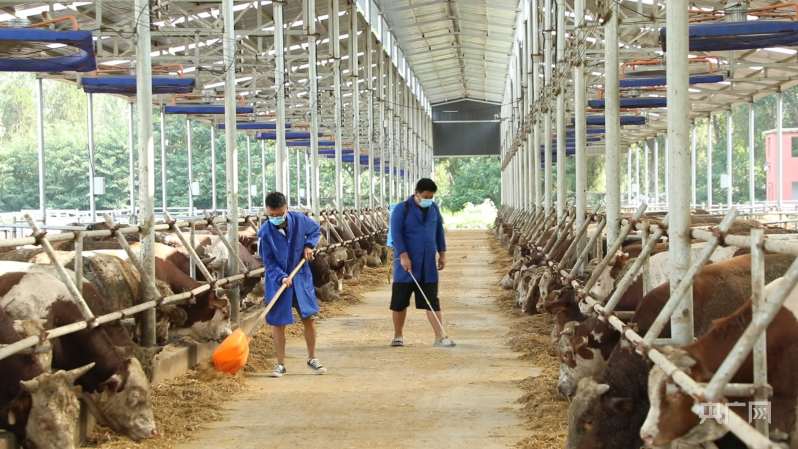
<point>421,238</point>
<point>280,255</point>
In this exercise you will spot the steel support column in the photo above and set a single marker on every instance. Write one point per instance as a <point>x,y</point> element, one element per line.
<point>580,125</point>
<point>629,177</point>
<point>189,167</point>
<point>249,176</point>
<point>382,176</point>
<point>679,195</point>
<point>709,162</point>
<point>263,187</point>
<point>729,167</point>
<point>780,150</point>
<point>391,106</point>
<point>612,123</point>
<point>231,151</point>
<point>548,63</point>
<point>646,173</point>
<point>213,167</point>
<point>536,92</point>
<point>335,53</point>
<point>131,161</point>
<point>146,150</point>
<point>313,95</point>
<point>370,113</point>
<point>354,74</point>
<point>656,171</point>
<point>40,150</point>
<point>562,160</point>
<point>751,156</point>
<point>281,151</point>
<point>693,156</point>
<point>92,172</point>
<point>164,188</point>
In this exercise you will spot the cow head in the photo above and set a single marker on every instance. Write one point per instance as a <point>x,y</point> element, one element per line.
<point>328,291</point>
<point>670,417</point>
<point>580,357</point>
<point>218,327</point>
<point>124,404</point>
<point>214,255</point>
<point>587,393</point>
<point>54,411</point>
<point>606,279</point>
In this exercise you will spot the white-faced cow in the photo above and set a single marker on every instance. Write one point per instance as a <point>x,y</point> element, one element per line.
<point>40,408</point>
<point>115,388</point>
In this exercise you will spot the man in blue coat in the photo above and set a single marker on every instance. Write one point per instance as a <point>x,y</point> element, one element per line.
<point>417,233</point>
<point>284,240</point>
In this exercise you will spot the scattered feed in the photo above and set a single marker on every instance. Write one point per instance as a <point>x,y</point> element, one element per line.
<point>544,410</point>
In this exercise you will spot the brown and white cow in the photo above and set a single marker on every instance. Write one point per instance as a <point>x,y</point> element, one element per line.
<point>208,317</point>
<point>40,408</point>
<point>116,388</point>
<point>618,414</point>
<point>589,345</point>
<point>670,418</point>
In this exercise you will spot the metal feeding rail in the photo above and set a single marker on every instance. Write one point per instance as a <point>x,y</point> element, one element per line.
<point>752,340</point>
<point>40,238</point>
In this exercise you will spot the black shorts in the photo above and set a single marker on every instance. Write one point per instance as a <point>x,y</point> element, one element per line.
<point>400,296</point>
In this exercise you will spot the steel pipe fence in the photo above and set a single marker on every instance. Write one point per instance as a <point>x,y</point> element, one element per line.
<point>376,218</point>
<point>753,340</point>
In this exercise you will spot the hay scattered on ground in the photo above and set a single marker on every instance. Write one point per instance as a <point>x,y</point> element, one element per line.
<point>183,405</point>
<point>543,409</point>
<point>261,352</point>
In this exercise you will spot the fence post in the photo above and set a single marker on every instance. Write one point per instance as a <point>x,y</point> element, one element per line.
<point>757,302</point>
<point>78,263</point>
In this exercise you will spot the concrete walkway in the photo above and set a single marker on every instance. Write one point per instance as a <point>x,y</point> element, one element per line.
<point>376,396</point>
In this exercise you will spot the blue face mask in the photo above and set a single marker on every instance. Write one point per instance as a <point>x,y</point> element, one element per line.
<point>277,221</point>
<point>425,203</point>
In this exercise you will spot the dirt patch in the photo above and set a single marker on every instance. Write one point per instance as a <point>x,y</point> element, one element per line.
<point>544,410</point>
<point>185,404</point>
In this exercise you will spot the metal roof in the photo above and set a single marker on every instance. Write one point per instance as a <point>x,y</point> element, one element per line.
<point>750,74</point>
<point>457,48</point>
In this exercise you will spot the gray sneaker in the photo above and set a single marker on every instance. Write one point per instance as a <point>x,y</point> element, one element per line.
<point>316,366</point>
<point>445,342</point>
<point>278,371</point>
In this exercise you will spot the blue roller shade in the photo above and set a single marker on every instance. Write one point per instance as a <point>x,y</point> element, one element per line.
<point>82,61</point>
<point>642,102</point>
<point>254,125</point>
<point>127,85</point>
<point>739,35</point>
<point>203,109</point>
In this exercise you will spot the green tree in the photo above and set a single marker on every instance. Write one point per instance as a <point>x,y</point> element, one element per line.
<point>468,180</point>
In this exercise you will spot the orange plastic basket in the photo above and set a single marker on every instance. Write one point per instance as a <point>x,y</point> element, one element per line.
<point>232,354</point>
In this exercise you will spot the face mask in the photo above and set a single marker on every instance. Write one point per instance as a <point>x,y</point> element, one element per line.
<point>277,221</point>
<point>426,202</point>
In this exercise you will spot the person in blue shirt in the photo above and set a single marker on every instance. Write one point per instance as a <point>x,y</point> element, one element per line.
<point>417,233</point>
<point>284,240</point>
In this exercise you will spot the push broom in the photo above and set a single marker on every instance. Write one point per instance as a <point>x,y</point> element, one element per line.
<point>232,354</point>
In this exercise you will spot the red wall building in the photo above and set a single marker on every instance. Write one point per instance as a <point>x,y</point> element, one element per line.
<point>790,170</point>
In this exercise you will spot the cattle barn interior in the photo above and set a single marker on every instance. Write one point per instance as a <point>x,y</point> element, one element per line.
<point>634,285</point>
